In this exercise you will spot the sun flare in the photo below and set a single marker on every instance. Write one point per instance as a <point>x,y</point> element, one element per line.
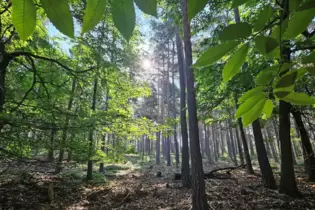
<point>146,64</point>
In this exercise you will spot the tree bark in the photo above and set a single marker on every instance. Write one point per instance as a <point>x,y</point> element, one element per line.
<point>183,123</point>
<point>306,143</point>
<point>265,168</point>
<point>272,146</point>
<point>199,199</point>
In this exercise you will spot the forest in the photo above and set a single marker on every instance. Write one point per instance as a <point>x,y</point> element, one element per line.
<point>157,104</point>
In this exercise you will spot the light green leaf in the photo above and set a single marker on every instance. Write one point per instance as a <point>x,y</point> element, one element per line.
<point>124,16</point>
<point>213,54</point>
<point>249,104</point>
<point>24,17</point>
<point>265,44</point>
<point>263,18</point>
<point>58,12</point>
<point>237,3</point>
<point>194,7</point>
<point>268,108</point>
<point>94,12</point>
<point>250,93</point>
<point>236,31</point>
<point>265,76</point>
<point>298,23</point>
<point>148,6</point>
<point>233,66</point>
<point>299,99</point>
<point>254,113</point>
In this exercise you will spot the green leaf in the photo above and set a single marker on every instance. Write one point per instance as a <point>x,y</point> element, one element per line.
<point>250,93</point>
<point>124,16</point>
<point>254,113</point>
<point>268,108</point>
<point>94,12</point>
<point>24,17</point>
<point>194,7</point>
<point>236,31</point>
<point>237,3</point>
<point>58,12</point>
<point>148,6</point>
<point>298,23</point>
<point>309,59</point>
<point>265,44</point>
<point>299,99</point>
<point>249,104</point>
<point>281,94</point>
<point>213,54</point>
<point>263,18</point>
<point>265,76</point>
<point>287,80</point>
<point>307,5</point>
<point>276,30</point>
<point>233,66</point>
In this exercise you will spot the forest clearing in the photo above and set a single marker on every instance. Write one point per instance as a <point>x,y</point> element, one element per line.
<point>157,104</point>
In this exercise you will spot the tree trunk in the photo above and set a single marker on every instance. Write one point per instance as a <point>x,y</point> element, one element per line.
<point>157,147</point>
<point>89,175</point>
<point>239,145</point>
<point>265,168</point>
<point>287,182</point>
<point>215,143</point>
<point>306,143</point>
<point>233,150</point>
<point>199,198</point>
<point>272,145</point>
<point>183,124</point>
<point>52,145</point>
<point>207,144</point>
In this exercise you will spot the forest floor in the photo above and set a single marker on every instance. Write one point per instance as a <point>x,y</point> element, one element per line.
<point>25,185</point>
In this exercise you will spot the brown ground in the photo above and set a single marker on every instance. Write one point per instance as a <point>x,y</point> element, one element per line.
<point>141,189</point>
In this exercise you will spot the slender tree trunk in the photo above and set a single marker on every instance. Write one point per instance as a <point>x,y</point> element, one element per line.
<point>239,145</point>
<point>157,155</point>
<point>207,144</point>
<point>52,145</point>
<point>276,130</point>
<point>272,145</point>
<point>89,175</point>
<point>215,143</point>
<point>233,150</point>
<point>306,143</point>
<point>183,124</point>
<point>199,199</point>
<point>287,182</point>
<point>4,63</point>
<point>265,168</point>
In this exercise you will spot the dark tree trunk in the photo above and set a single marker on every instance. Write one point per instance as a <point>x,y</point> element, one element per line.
<point>265,168</point>
<point>239,145</point>
<point>4,63</point>
<point>287,182</point>
<point>306,143</point>
<point>183,124</point>
<point>199,198</point>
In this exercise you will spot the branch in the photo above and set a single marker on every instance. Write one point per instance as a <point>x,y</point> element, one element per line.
<point>17,54</point>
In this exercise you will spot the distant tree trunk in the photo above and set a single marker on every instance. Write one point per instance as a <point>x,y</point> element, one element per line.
<point>199,198</point>
<point>267,145</point>
<point>276,130</point>
<point>239,145</point>
<point>215,143</point>
<point>233,150</point>
<point>265,168</point>
<point>101,168</point>
<point>89,175</point>
<point>306,143</point>
<point>51,147</point>
<point>251,145</point>
<point>222,140</point>
<point>272,144</point>
<point>207,144</point>
<point>183,124</point>
<point>157,155</point>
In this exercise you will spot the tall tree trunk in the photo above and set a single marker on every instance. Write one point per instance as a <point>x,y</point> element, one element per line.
<point>215,143</point>
<point>232,146</point>
<point>4,63</point>
<point>174,107</point>
<point>89,175</point>
<point>199,198</point>
<point>265,168</point>
<point>52,145</point>
<point>306,143</point>
<point>157,147</point>
<point>207,144</point>
<point>287,182</point>
<point>276,130</point>
<point>183,123</point>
